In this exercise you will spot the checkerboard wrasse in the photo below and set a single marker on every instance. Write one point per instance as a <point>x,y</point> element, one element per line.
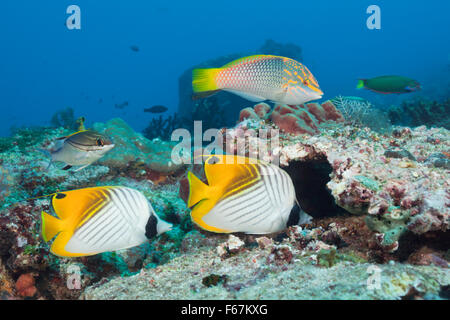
<point>258,78</point>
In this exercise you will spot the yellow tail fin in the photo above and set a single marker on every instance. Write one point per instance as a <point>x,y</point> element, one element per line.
<point>197,190</point>
<point>360,84</point>
<point>51,226</point>
<point>204,80</point>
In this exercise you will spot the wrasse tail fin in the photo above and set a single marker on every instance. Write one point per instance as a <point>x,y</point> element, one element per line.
<point>51,226</point>
<point>361,83</point>
<point>204,80</point>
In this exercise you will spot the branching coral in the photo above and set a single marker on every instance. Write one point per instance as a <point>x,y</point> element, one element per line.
<point>162,127</point>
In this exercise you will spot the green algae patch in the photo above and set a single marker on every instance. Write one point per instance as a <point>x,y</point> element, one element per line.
<point>368,183</point>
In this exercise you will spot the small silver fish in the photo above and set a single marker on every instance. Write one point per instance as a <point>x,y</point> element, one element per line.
<point>80,149</point>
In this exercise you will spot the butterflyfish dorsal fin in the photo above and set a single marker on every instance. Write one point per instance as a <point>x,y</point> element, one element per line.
<point>79,204</point>
<point>230,171</point>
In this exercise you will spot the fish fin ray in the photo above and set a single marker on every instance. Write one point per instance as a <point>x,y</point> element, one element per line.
<point>204,79</point>
<point>361,84</point>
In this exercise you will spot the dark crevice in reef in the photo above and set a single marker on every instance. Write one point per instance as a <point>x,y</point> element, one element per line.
<point>310,179</point>
<point>410,243</point>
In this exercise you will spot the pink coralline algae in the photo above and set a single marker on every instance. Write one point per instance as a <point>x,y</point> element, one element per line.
<point>302,119</point>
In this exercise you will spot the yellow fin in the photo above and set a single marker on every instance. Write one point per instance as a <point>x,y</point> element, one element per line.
<point>197,190</point>
<point>75,203</point>
<point>199,211</point>
<point>50,226</point>
<point>204,80</point>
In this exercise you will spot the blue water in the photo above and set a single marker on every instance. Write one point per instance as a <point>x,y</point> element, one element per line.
<point>45,67</point>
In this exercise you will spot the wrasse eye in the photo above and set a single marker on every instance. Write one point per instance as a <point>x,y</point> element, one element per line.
<point>100,142</point>
<point>305,82</point>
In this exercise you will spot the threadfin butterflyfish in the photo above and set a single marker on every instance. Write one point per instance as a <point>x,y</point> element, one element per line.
<point>258,78</point>
<point>389,84</point>
<point>81,148</point>
<point>243,195</point>
<point>94,220</point>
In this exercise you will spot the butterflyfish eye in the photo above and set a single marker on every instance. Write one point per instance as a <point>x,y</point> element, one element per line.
<point>213,160</point>
<point>60,196</point>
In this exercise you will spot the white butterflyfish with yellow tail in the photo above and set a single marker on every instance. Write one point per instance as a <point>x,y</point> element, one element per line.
<point>243,196</point>
<point>99,219</point>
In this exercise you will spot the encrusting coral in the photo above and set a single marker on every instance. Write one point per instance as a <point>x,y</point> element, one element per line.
<point>294,119</point>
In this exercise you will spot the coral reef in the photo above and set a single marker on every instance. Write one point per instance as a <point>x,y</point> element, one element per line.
<point>272,272</point>
<point>130,147</point>
<point>421,111</point>
<point>294,119</point>
<point>27,269</point>
<point>387,179</point>
<point>379,202</point>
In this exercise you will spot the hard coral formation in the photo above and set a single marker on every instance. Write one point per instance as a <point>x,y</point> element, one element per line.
<point>294,119</point>
<point>131,146</point>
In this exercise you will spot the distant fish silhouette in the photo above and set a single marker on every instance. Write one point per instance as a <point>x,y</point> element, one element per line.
<point>156,109</point>
<point>121,105</point>
<point>134,48</point>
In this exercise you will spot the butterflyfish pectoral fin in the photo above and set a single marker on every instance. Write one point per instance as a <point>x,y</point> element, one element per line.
<point>50,226</point>
<point>197,190</point>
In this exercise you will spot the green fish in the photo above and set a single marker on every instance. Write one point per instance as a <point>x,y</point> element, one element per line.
<point>389,84</point>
